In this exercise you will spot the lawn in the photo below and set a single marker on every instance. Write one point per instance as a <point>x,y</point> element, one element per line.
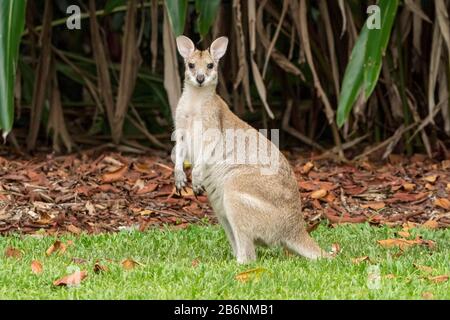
<point>196,263</point>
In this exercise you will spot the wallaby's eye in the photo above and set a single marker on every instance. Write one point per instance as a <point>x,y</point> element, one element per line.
<point>191,65</point>
<point>210,65</point>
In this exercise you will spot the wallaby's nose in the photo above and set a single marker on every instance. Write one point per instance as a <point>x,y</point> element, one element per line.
<point>200,78</point>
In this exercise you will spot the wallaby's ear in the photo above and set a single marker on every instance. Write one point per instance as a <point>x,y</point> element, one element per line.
<point>185,46</point>
<point>218,47</point>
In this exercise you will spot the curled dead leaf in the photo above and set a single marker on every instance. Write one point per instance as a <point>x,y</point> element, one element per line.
<point>443,203</point>
<point>36,267</point>
<point>100,268</point>
<point>429,187</point>
<point>129,264</point>
<point>114,176</point>
<point>73,279</point>
<point>319,194</point>
<point>57,246</point>
<point>431,179</point>
<point>148,188</point>
<point>250,274</point>
<point>307,167</point>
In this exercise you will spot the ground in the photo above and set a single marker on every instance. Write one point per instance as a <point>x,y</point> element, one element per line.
<point>111,226</point>
<point>196,263</point>
<point>106,192</point>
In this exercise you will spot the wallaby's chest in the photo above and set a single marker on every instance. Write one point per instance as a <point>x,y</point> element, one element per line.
<point>190,120</point>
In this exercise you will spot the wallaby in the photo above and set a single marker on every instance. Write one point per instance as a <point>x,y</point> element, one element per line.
<point>253,206</point>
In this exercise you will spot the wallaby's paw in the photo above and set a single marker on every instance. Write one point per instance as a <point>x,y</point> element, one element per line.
<point>198,189</point>
<point>180,180</point>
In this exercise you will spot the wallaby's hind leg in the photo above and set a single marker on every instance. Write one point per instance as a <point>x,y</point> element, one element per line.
<point>245,246</point>
<point>305,246</point>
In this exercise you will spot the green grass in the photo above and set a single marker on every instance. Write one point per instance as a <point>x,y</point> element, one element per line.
<point>168,272</point>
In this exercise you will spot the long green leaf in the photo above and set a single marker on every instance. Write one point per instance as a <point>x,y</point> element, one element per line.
<point>363,70</point>
<point>207,12</point>
<point>177,14</point>
<point>12,22</point>
<point>377,43</point>
<point>353,78</point>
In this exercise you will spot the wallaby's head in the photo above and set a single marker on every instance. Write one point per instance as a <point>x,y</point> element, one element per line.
<point>201,66</point>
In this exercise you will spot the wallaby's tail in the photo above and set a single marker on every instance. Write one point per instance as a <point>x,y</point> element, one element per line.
<point>302,244</point>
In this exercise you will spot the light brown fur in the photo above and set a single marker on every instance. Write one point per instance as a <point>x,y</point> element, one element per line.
<point>252,207</point>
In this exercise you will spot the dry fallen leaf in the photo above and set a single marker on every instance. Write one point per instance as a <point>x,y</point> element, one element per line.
<point>11,252</point>
<point>195,263</point>
<point>148,188</point>
<point>115,175</point>
<point>430,187</point>
<point>423,268</point>
<point>445,164</point>
<point>431,179</point>
<point>401,243</point>
<point>250,274</point>
<point>360,259</point>
<point>409,186</point>
<point>404,234</point>
<point>73,279</point>
<point>100,268</point>
<point>129,264</point>
<point>431,224</point>
<point>307,167</point>
<point>36,267</point>
<point>146,212</point>
<point>409,225</point>
<point>319,194</point>
<point>427,295</point>
<point>389,276</point>
<point>443,203</point>
<point>374,205</point>
<point>58,246</point>
<point>73,229</point>
<point>439,279</point>
<point>44,219</point>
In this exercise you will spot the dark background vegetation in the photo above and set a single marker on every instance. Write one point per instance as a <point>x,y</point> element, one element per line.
<point>116,81</point>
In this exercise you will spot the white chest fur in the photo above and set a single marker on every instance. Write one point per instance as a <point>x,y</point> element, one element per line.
<point>190,114</point>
